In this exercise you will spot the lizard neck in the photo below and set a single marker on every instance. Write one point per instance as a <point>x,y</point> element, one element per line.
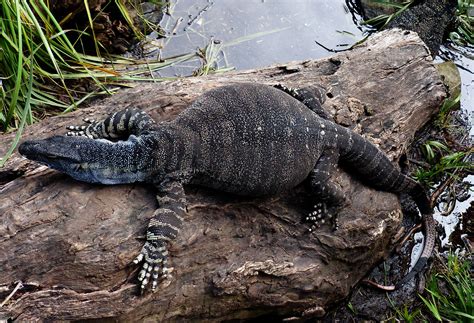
<point>168,151</point>
<point>116,162</point>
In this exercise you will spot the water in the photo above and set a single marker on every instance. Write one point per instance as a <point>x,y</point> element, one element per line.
<point>278,30</point>
<point>450,224</point>
<point>466,69</point>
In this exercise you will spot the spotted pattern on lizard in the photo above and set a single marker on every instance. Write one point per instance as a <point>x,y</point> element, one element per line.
<point>247,139</point>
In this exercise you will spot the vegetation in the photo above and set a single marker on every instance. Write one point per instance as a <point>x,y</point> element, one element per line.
<point>464,33</point>
<point>405,315</point>
<point>451,292</point>
<point>26,112</point>
<point>449,295</point>
<point>449,105</point>
<point>380,21</point>
<point>212,54</point>
<point>65,72</point>
<point>442,162</point>
<point>33,42</point>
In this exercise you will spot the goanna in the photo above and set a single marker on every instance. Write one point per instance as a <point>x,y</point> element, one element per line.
<point>247,139</point>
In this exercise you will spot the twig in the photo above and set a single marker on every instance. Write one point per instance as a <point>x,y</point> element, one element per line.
<point>434,197</point>
<point>451,204</point>
<point>408,236</point>
<point>18,286</point>
<point>376,285</point>
<point>330,49</point>
<point>417,162</point>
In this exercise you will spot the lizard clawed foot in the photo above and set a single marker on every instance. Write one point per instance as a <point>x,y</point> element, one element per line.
<point>288,90</point>
<point>155,256</point>
<point>321,215</point>
<point>84,130</point>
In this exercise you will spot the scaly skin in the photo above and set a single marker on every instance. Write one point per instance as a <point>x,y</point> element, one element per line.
<point>247,139</point>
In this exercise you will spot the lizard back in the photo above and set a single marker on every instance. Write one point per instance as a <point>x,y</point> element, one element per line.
<point>252,140</point>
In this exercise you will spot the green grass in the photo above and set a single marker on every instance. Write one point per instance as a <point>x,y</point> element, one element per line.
<point>451,292</point>
<point>444,116</point>
<point>464,33</point>
<point>442,162</point>
<point>432,149</point>
<point>28,29</point>
<point>33,41</point>
<point>25,114</point>
<point>404,314</point>
<point>381,21</point>
<point>211,54</point>
<point>351,308</point>
<point>448,295</point>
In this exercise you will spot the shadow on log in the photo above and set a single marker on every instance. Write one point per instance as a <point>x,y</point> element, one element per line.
<point>71,243</point>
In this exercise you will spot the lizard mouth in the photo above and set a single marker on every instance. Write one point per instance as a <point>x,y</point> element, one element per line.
<point>41,151</point>
<point>33,150</point>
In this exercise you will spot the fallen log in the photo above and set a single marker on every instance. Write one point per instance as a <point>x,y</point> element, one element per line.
<point>71,243</point>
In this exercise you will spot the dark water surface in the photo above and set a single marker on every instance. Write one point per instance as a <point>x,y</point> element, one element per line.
<point>276,30</point>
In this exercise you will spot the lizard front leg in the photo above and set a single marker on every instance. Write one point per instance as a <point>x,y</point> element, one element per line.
<point>162,228</point>
<point>119,125</point>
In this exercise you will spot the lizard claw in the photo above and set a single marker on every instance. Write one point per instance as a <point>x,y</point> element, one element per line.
<point>288,90</point>
<point>154,254</point>
<point>90,121</point>
<point>320,216</point>
<point>84,130</point>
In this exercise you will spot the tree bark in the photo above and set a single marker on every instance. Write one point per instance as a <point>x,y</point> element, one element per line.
<point>71,243</point>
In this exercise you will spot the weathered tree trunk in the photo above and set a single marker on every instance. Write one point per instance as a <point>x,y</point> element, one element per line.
<point>71,243</point>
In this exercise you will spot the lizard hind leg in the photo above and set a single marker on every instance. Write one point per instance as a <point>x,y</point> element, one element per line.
<point>329,196</point>
<point>118,125</point>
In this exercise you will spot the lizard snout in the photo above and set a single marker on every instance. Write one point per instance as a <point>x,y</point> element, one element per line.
<point>27,148</point>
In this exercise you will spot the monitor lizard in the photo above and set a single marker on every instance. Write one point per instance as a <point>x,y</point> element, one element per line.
<point>247,139</point>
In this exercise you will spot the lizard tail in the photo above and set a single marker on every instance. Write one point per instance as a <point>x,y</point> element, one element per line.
<point>429,242</point>
<point>420,197</point>
<point>377,170</point>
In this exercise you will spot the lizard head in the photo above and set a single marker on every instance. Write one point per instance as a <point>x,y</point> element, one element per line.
<point>84,159</point>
